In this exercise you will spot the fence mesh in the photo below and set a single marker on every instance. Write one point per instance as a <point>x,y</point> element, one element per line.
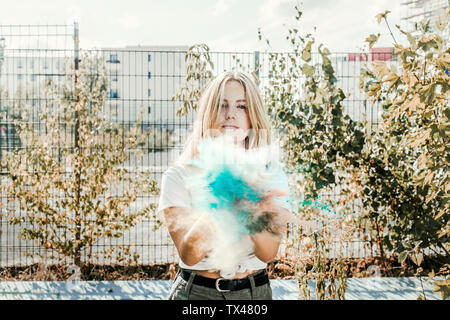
<point>139,79</point>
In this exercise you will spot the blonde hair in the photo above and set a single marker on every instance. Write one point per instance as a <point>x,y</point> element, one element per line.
<point>208,113</point>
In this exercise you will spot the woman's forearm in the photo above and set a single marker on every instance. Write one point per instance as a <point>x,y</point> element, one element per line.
<point>190,233</point>
<point>196,242</point>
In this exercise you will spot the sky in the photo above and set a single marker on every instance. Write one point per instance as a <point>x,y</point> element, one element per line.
<point>224,25</point>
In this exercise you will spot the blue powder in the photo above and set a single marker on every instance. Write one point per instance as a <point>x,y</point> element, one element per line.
<point>318,204</point>
<point>228,189</point>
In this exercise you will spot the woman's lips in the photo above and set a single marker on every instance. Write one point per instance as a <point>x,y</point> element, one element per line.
<point>230,127</point>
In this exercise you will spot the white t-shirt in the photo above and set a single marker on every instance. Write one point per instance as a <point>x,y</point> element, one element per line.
<point>175,194</point>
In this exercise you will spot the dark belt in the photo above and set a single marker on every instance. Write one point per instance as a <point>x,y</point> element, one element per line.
<point>224,285</point>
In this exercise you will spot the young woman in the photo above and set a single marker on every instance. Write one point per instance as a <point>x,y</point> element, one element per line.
<point>231,105</point>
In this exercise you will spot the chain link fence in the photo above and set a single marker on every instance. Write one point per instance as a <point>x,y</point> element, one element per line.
<point>140,79</point>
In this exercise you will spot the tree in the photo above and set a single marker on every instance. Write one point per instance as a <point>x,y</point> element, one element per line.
<point>407,177</point>
<point>69,174</point>
<point>198,71</point>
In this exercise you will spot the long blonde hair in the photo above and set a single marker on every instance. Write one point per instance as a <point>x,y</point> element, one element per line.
<point>208,113</point>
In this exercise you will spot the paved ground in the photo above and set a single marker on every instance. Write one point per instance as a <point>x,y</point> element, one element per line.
<point>357,289</point>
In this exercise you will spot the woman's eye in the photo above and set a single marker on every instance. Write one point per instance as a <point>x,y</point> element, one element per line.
<point>242,107</point>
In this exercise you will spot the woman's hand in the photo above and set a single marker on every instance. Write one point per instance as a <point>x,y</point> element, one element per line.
<point>266,245</point>
<point>270,221</point>
<point>265,215</point>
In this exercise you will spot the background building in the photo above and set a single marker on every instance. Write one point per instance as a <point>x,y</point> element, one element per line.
<point>23,76</point>
<point>145,77</point>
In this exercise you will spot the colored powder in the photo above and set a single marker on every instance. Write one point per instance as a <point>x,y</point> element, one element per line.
<point>226,188</point>
<point>229,195</point>
<point>317,204</point>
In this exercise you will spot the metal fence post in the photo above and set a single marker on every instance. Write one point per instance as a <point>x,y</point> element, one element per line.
<point>257,65</point>
<point>3,129</point>
<point>77,253</point>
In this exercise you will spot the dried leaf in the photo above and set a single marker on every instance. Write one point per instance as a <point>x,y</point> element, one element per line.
<point>382,16</point>
<point>402,256</point>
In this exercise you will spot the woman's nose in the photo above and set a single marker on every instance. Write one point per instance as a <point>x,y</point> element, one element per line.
<point>230,114</point>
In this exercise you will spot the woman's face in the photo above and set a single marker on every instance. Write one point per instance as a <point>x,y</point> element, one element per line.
<point>233,117</point>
